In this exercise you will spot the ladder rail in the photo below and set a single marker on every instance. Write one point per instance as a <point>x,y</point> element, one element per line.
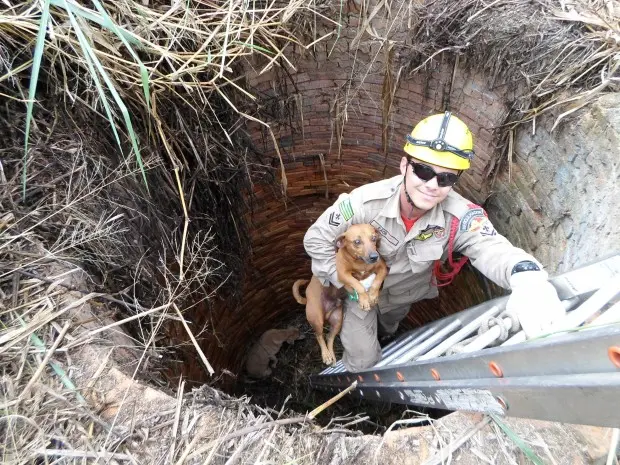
<point>537,378</point>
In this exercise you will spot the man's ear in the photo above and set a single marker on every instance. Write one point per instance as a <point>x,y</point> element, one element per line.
<point>404,161</point>
<point>340,242</point>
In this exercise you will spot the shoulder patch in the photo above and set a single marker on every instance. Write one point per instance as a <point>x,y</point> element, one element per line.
<point>346,209</point>
<point>472,220</point>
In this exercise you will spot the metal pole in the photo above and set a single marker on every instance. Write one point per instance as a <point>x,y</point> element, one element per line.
<point>407,347</point>
<point>430,342</point>
<point>611,315</point>
<point>462,334</point>
<point>590,306</point>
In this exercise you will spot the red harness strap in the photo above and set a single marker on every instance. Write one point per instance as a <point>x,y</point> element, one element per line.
<point>444,278</point>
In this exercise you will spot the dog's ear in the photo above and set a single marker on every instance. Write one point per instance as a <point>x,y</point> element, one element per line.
<point>378,240</point>
<point>340,241</point>
<point>294,335</point>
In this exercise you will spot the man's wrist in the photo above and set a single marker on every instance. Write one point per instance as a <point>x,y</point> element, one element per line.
<point>527,278</point>
<point>525,265</point>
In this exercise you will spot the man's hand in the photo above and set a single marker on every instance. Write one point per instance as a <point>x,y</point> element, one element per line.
<point>535,302</point>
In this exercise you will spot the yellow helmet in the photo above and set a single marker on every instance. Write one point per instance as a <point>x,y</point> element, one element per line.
<point>442,140</point>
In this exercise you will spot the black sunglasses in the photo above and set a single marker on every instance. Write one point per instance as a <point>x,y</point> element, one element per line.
<point>426,173</point>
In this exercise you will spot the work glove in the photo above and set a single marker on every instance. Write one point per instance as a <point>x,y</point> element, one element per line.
<point>535,302</point>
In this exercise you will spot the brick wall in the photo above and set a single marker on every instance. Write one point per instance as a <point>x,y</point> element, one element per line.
<point>339,89</point>
<point>306,110</point>
<point>560,202</point>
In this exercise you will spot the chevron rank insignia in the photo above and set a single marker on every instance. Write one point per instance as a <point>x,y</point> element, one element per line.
<point>346,209</point>
<point>334,219</point>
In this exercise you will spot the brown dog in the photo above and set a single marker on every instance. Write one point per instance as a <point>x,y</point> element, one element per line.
<point>264,351</point>
<point>356,259</point>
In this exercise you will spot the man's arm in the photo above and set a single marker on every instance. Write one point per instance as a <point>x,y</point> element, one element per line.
<point>320,239</point>
<point>533,299</point>
<point>488,251</point>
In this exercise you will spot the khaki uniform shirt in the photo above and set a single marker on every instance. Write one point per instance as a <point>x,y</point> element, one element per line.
<point>411,256</point>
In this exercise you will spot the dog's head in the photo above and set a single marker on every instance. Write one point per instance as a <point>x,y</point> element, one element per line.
<point>361,242</point>
<point>293,334</point>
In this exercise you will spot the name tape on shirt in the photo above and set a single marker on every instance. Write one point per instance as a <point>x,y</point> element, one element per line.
<point>346,209</point>
<point>384,232</point>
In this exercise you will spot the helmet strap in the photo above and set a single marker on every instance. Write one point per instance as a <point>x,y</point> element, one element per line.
<point>409,199</point>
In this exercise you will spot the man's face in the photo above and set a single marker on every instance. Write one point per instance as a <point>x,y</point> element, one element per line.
<point>425,194</point>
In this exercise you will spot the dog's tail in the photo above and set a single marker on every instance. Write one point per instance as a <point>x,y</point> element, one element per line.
<point>296,294</point>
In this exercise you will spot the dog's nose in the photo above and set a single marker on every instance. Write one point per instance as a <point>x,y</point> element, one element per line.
<point>373,257</point>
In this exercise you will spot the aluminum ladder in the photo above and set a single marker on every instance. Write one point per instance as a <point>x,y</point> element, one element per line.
<point>572,375</point>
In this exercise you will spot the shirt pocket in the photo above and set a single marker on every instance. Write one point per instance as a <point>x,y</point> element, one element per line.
<point>423,256</point>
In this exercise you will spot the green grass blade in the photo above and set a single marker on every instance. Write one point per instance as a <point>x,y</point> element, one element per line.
<point>62,374</point>
<point>34,79</point>
<point>79,10</point>
<point>39,344</point>
<point>126,118</point>
<point>93,62</point>
<point>253,47</point>
<point>514,437</point>
<point>143,71</point>
<point>85,47</point>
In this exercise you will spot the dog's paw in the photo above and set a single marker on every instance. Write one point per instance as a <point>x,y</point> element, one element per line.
<point>328,358</point>
<point>373,297</point>
<point>364,302</point>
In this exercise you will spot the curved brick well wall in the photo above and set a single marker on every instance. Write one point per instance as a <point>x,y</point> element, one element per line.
<point>336,130</point>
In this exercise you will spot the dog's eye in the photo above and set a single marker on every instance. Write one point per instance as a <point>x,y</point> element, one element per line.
<point>357,242</point>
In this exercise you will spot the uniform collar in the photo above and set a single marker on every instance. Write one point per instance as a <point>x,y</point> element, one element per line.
<point>391,209</point>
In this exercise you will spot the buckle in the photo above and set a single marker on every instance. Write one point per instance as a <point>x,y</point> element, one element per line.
<point>439,145</point>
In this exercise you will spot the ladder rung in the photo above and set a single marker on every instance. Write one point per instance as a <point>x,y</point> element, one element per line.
<point>411,344</point>
<point>401,341</point>
<point>462,334</point>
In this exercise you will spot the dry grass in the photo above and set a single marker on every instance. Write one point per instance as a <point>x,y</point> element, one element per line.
<point>165,79</point>
<point>544,56</point>
<point>149,214</point>
<point>543,51</point>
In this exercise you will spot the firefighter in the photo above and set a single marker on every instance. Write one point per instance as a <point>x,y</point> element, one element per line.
<point>422,222</point>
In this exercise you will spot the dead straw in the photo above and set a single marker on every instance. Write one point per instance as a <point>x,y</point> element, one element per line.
<point>313,414</point>
<point>239,433</point>
<point>46,359</point>
<point>454,445</point>
<point>196,345</point>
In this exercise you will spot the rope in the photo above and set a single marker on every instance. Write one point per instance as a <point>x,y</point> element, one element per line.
<point>515,325</point>
<point>441,278</point>
<point>445,278</point>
